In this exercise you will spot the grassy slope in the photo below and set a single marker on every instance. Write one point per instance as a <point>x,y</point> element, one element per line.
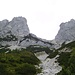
<point>18,62</point>
<point>67,60</point>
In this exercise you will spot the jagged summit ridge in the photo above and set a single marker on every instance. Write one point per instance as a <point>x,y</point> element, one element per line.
<point>18,26</point>
<point>16,32</point>
<point>66,32</point>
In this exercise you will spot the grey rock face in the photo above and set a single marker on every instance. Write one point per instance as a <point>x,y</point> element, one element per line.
<point>3,24</point>
<point>16,32</point>
<point>31,39</point>
<point>18,26</point>
<point>66,32</point>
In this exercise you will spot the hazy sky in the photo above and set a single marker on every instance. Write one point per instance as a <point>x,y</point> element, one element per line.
<point>43,16</point>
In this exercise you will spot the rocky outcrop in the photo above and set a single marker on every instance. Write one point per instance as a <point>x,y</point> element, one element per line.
<point>31,39</point>
<point>16,32</point>
<point>66,32</point>
<point>17,27</point>
<point>48,66</point>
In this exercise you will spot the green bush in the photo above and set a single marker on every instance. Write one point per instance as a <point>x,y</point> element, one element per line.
<point>39,49</point>
<point>26,69</point>
<point>18,62</point>
<point>53,54</point>
<point>64,58</point>
<point>67,60</point>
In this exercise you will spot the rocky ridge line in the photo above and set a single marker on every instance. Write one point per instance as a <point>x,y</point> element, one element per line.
<point>16,32</point>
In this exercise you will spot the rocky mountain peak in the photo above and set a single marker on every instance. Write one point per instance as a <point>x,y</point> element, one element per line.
<point>19,19</point>
<point>16,32</point>
<point>66,32</point>
<point>18,26</point>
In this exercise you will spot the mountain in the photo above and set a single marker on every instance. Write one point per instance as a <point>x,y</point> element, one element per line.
<point>33,55</point>
<point>16,32</point>
<point>65,48</point>
<point>66,32</point>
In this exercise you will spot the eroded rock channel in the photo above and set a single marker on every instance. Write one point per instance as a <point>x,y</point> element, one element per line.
<point>48,66</point>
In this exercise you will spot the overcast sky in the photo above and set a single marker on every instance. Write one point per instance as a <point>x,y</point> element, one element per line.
<point>43,16</point>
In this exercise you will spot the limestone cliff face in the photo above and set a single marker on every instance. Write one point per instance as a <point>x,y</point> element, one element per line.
<point>66,32</point>
<point>16,32</point>
<point>18,26</point>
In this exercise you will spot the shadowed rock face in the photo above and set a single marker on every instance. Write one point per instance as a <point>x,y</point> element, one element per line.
<point>66,32</point>
<point>16,32</point>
